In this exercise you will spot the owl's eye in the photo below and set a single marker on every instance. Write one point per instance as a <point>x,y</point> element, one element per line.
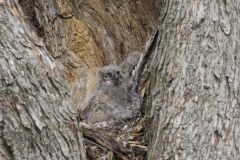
<point>118,72</point>
<point>107,76</point>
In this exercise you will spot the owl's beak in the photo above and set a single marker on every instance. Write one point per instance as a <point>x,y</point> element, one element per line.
<point>117,79</point>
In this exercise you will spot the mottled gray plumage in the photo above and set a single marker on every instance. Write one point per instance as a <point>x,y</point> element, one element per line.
<point>114,98</point>
<point>129,64</point>
<point>110,77</point>
<point>110,102</point>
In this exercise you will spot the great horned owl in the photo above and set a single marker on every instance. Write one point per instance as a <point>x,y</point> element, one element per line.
<point>111,100</point>
<point>114,98</point>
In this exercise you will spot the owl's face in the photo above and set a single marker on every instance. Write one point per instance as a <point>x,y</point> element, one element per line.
<point>110,76</point>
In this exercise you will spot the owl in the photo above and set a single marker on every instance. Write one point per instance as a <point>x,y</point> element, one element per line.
<point>111,101</point>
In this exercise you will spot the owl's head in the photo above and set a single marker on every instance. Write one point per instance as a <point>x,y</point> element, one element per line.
<point>110,76</point>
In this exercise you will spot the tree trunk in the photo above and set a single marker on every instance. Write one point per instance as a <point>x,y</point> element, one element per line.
<point>37,117</point>
<point>37,101</point>
<point>192,98</point>
<point>194,86</point>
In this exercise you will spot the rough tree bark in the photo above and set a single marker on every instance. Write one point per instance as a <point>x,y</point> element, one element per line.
<point>37,117</point>
<point>194,100</point>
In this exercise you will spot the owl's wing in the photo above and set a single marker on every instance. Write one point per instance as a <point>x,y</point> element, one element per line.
<point>87,106</point>
<point>96,109</point>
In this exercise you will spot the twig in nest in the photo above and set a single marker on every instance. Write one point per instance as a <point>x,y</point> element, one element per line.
<point>107,142</point>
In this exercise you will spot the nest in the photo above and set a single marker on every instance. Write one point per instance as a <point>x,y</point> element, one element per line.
<point>107,141</point>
